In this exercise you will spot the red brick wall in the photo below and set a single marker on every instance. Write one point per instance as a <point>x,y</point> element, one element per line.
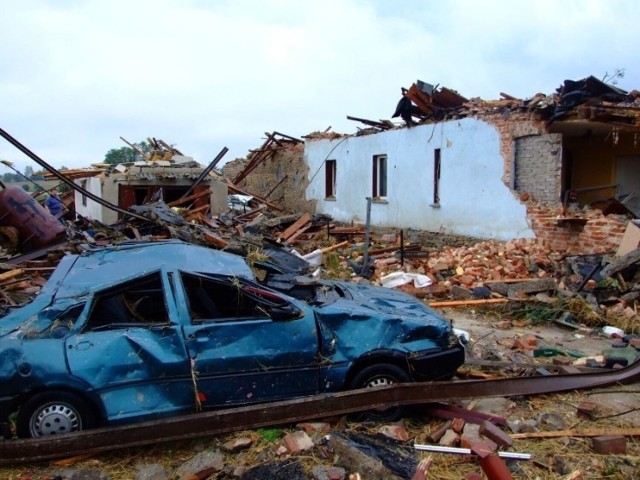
<point>600,234</point>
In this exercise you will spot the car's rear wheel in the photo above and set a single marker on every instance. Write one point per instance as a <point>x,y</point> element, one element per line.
<point>53,413</point>
<point>381,375</point>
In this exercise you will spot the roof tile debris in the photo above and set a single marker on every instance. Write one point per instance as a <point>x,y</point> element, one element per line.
<point>587,99</point>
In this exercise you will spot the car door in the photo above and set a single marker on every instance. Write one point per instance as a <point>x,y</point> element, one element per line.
<point>131,352</point>
<point>248,344</point>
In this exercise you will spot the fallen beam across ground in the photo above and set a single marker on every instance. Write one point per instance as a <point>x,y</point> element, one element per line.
<point>297,410</point>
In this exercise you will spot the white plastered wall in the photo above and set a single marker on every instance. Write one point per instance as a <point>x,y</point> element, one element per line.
<point>473,199</point>
<point>92,209</point>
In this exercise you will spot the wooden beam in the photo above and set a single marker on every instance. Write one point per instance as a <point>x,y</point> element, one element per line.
<point>195,196</point>
<point>212,239</point>
<point>294,227</point>
<point>337,246</point>
<point>589,432</point>
<point>144,155</point>
<point>277,185</point>
<point>11,274</point>
<point>464,303</point>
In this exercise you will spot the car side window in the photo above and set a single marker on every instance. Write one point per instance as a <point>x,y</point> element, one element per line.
<point>41,326</point>
<point>214,299</point>
<point>137,302</point>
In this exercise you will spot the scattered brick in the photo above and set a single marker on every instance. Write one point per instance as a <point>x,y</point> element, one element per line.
<point>609,444</point>
<point>298,441</point>
<point>450,439</point>
<point>587,408</point>
<point>494,433</point>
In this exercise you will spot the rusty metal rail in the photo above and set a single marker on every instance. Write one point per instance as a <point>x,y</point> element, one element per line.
<point>291,411</point>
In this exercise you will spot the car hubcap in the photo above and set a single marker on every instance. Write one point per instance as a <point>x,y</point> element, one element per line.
<point>55,419</point>
<point>379,382</point>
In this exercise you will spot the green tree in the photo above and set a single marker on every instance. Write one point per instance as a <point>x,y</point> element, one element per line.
<point>126,154</point>
<point>28,172</point>
<point>10,177</point>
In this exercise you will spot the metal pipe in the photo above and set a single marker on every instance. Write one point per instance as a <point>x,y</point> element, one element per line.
<point>206,171</point>
<point>67,181</point>
<point>8,164</point>
<point>365,257</point>
<point>467,451</point>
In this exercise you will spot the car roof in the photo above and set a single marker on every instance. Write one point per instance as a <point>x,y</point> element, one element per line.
<point>100,268</point>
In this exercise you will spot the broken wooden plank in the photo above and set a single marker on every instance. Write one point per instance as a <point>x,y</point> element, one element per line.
<point>337,246</point>
<point>196,211</point>
<point>346,231</point>
<point>16,272</point>
<point>621,263</point>
<point>589,432</point>
<point>464,303</point>
<point>371,123</point>
<point>294,227</point>
<point>511,280</point>
<point>297,234</point>
<point>195,196</point>
<point>213,239</point>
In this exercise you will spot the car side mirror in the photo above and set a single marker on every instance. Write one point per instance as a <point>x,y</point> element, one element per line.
<point>284,312</point>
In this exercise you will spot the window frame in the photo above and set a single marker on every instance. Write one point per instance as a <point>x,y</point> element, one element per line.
<point>330,173</point>
<point>437,170</point>
<point>379,188</point>
<point>121,294</point>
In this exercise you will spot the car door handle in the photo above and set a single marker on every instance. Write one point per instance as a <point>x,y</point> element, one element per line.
<point>200,336</point>
<point>83,345</point>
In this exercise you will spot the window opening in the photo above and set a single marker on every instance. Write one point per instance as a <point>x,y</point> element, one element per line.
<point>330,179</point>
<point>83,184</point>
<point>379,176</point>
<point>436,176</point>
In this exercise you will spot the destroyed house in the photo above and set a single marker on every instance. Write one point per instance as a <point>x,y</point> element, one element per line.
<point>563,168</point>
<point>163,175</point>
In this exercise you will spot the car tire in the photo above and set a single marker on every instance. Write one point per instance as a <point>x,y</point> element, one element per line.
<point>380,375</point>
<point>53,413</point>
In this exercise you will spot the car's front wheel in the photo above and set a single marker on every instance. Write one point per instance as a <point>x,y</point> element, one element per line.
<point>381,375</point>
<point>53,413</point>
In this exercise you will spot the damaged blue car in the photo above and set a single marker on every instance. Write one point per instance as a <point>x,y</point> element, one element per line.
<point>143,331</point>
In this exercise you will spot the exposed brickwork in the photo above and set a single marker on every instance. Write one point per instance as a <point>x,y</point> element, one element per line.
<point>600,234</point>
<point>532,168</point>
<point>286,162</point>
<point>511,127</point>
<point>539,157</point>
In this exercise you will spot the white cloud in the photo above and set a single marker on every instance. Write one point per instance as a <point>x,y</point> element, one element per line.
<point>77,75</point>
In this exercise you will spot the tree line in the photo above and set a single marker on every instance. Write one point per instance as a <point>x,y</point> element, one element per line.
<point>113,156</point>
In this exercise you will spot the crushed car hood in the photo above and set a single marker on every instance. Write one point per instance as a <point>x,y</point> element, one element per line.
<point>380,315</point>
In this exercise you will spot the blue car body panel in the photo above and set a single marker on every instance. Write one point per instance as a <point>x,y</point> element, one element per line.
<point>149,330</point>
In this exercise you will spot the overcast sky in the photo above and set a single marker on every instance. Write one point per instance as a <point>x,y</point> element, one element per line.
<point>75,76</point>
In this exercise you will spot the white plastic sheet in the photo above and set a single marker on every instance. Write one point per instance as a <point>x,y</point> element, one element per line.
<point>396,279</point>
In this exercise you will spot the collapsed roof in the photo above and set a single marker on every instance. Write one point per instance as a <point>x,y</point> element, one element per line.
<point>588,99</point>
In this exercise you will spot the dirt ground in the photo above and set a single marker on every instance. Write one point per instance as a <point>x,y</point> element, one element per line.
<point>490,338</point>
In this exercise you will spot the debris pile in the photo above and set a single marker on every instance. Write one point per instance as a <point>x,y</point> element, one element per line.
<point>564,436</point>
<point>588,99</point>
<point>480,273</point>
